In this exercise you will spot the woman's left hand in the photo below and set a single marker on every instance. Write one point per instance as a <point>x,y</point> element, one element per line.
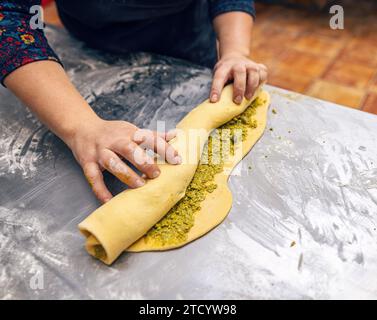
<point>246,74</point>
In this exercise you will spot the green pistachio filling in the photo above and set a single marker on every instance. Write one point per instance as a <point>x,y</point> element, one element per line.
<point>99,252</point>
<point>176,224</point>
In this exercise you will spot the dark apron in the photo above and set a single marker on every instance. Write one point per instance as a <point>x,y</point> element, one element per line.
<point>177,28</point>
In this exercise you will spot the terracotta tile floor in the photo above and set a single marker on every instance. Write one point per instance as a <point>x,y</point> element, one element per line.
<point>305,55</point>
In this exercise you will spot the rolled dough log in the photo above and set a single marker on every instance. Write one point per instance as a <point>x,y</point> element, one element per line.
<point>119,223</point>
<point>218,203</point>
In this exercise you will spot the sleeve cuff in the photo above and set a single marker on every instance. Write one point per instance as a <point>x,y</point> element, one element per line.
<point>19,61</point>
<point>19,43</point>
<point>223,6</point>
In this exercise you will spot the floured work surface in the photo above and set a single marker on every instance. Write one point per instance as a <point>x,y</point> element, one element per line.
<point>302,223</point>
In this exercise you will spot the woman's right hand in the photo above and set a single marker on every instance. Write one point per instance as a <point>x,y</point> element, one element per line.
<point>97,144</point>
<point>100,145</point>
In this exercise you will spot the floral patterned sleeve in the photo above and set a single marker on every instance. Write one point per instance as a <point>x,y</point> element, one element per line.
<point>19,43</point>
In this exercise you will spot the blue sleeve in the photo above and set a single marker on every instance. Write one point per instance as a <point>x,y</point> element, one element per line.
<point>20,44</point>
<point>222,6</point>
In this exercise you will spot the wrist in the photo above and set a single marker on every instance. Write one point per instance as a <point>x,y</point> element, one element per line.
<point>82,125</point>
<point>239,52</point>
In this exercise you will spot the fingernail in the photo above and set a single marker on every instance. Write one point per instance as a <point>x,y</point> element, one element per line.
<point>238,99</point>
<point>214,97</point>
<point>248,96</point>
<point>155,174</point>
<point>106,200</point>
<point>177,160</point>
<point>139,183</point>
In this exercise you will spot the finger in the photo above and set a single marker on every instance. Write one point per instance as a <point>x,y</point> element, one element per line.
<point>263,73</point>
<point>153,141</point>
<point>171,134</point>
<point>111,162</point>
<point>239,84</point>
<point>164,150</point>
<point>94,176</point>
<point>263,76</point>
<point>141,135</point>
<point>252,83</point>
<point>138,157</point>
<point>263,67</point>
<point>220,77</point>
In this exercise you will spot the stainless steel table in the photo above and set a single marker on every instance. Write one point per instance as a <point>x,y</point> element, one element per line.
<point>304,217</point>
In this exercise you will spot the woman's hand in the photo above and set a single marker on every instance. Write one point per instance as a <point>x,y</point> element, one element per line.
<point>96,144</point>
<point>101,145</point>
<point>246,74</point>
<point>233,30</point>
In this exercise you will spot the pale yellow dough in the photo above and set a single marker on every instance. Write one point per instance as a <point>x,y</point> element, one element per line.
<point>120,223</point>
<point>218,203</point>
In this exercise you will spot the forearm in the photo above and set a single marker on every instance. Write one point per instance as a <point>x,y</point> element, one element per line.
<point>233,31</point>
<point>45,88</point>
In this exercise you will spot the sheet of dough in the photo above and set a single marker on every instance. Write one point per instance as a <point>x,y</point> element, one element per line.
<point>217,204</point>
<point>116,225</point>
